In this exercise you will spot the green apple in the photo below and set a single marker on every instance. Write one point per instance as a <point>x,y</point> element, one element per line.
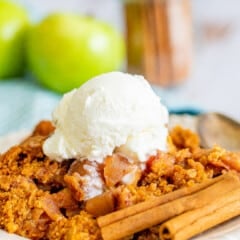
<point>13,25</point>
<point>65,50</point>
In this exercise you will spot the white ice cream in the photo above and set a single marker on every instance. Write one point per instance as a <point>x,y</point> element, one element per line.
<point>112,112</point>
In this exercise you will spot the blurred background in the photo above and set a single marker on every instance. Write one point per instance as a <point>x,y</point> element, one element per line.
<point>192,63</point>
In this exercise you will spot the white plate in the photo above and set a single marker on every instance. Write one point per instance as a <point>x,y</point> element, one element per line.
<point>226,231</point>
<point>229,230</point>
<point>7,236</point>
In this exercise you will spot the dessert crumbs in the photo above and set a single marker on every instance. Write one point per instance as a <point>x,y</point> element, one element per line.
<point>41,199</point>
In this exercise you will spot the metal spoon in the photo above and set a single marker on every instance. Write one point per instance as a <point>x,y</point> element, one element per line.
<point>216,128</point>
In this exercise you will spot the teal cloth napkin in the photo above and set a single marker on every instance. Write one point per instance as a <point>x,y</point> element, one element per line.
<point>23,103</point>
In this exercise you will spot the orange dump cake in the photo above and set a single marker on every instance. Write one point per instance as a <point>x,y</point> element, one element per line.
<point>41,198</point>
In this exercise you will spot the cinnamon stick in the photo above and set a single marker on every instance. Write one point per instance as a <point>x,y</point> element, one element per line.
<point>196,221</point>
<point>101,204</point>
<point>140,207</point>
<point>127,225</point>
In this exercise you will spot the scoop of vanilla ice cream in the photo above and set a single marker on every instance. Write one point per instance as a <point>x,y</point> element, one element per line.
<point>112,112</point>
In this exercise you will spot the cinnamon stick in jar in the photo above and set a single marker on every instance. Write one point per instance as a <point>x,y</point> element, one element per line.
<point>159,39</point>
<point>163,42</point>
<point>149,40</point>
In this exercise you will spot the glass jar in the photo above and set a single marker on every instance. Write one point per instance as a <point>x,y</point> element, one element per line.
<point>159,39</point>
